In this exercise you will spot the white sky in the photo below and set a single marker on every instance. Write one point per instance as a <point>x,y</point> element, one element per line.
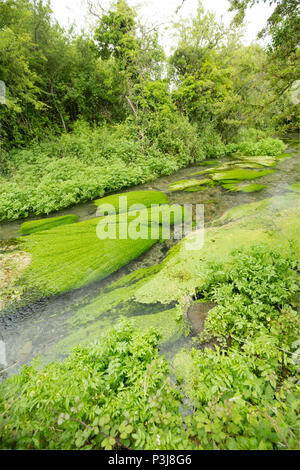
<point>160,11</point>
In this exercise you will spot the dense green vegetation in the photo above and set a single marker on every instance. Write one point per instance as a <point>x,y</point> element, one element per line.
<point>87,115</point>
<point>45,224</point>
<point>146,198</point>
<point>147,295</point>
<point>70,255</point>
<point>92,113</point>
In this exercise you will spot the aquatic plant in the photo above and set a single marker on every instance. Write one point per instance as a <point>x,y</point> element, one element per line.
<point>272,221</point>
<point>239,175</point>
<point>249,188</point>
<point>295,188</point>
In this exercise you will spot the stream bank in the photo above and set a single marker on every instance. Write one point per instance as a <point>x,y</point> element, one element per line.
<point>147,289</point>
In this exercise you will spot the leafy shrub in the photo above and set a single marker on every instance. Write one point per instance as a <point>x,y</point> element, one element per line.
<point>212,144</point>
<point>173,134</point>
<point>250,294</point>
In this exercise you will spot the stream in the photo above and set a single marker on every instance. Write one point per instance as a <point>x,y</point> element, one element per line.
<point>35,329</point>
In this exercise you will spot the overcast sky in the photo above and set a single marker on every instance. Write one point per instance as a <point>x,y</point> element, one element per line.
<point>159,11</point>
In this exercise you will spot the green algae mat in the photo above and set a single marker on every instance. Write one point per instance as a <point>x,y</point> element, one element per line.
<point>92,321</point>
<point>147,198</point>
<point>190,184</point>
<point>66,257</point>
<point>154,296</point>
<point>295,188</point>
<point>229,174</point>
<point>274,222</point>
<point>239,175</point>
<point>248,188</point>
<point>71,256</point>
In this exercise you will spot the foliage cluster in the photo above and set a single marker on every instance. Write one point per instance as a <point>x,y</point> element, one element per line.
<point>101,111</point>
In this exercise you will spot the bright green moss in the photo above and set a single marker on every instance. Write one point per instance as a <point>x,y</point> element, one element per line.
<point>264,160</point>
<point>187,184</point>
<point>208,171</point>
<point>209,162</point>
<point>295,188</point>
<point>71,256</point>
<point>239,175</point>
<point>250,188</point>
<point>45,224</point>
<point>245,163</point>
<point>147,198</point>
<point>195,189</point>
<point>272,221</point>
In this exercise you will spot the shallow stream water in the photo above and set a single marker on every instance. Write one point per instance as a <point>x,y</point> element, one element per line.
<point>35,329</point>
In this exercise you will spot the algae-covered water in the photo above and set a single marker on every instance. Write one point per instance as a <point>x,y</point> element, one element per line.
<point>52,325</point>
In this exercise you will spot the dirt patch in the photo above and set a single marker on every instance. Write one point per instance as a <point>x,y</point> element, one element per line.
<point>197,314</point>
